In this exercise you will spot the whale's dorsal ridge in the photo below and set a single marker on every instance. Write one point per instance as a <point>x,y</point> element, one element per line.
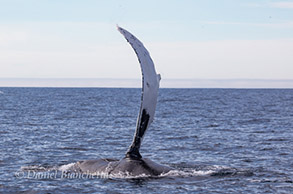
<point>150,87</point>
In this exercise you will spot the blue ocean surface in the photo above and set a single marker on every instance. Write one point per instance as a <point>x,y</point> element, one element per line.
<point>217,140</point>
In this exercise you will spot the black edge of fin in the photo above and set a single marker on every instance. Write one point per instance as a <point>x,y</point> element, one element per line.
<point>133,151</point>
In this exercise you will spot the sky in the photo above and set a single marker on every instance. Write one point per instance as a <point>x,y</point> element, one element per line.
<point>188,40</point>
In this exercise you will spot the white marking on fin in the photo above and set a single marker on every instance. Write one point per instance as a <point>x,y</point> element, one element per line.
<point>149,75</point>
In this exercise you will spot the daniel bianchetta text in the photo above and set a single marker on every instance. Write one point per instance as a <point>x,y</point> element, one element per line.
<point>31,174</point>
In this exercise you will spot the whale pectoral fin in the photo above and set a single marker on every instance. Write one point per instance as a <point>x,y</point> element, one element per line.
<point>150,87</point>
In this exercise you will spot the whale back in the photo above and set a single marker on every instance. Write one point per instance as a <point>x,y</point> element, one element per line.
<point>126,166</point>
<point>150,87</point>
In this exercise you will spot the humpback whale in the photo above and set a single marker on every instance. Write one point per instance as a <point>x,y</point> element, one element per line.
<point>133,163</point>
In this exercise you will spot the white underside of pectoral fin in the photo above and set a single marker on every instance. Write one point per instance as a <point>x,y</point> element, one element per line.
<point>150,87</point>
<point>151,79</point>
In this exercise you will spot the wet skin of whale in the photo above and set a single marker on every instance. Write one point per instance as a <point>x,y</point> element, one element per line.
<point>133,163</point>
<point>133,167</point>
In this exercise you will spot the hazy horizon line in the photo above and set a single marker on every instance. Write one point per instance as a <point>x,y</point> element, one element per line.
<point>136,83</point>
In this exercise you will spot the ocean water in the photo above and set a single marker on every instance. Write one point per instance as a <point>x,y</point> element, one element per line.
<point>217,140</point>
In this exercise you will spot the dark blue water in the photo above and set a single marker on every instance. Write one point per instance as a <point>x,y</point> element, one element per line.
<point>218,140</point>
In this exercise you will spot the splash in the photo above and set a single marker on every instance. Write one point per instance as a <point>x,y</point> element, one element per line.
<point>66,167</point>
<point>187,173</point>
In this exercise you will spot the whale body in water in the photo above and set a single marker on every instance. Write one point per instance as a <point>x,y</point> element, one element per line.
<point>133,163</point>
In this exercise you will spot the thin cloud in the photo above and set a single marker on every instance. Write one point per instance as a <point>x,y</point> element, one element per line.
<point>287,24</point>
<point>282,4</point>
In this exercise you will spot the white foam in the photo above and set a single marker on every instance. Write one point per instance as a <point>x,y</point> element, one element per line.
<point>127,175</point>
<point>190,173</point>
<point>66,167</point>
<point>1,92</point>
<point>119,175</point>
<point>172,173</point>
